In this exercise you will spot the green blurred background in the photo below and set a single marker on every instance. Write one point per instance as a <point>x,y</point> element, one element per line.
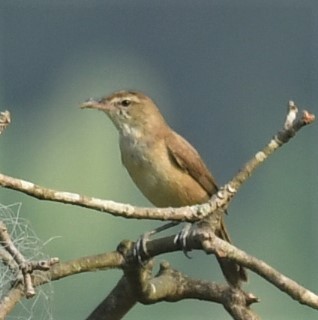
<point>221,72</point>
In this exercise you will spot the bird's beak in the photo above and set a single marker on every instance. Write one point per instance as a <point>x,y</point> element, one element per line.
<point>92,104</point>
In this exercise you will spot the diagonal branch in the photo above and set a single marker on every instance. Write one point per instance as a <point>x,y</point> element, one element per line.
<point>119,301</point>
<point>215,245</point>
<point>190,213</point>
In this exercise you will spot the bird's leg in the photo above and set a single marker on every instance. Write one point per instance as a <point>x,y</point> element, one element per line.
<point>140,245</point>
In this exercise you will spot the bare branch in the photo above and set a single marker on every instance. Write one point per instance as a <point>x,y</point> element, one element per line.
<point>57,271</point>
<point>138,285</point>
<point>25,266</point>
<point>291,126</point>
<point>119,301</point>
<point>204,238</point>
<point>171,285</point>
<point>9,301</point>
<point>213,244</point>
<point>168,284</point>
<point>189,213</point>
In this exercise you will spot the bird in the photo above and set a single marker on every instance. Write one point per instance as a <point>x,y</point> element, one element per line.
<point>165,167</point>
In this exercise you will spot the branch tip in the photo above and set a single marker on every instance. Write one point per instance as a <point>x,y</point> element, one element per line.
<point>308,117</point>
<point>5,120</point>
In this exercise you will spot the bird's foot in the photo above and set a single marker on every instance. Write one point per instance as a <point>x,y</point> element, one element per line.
<point>140,249</point>
<point>181,239</point>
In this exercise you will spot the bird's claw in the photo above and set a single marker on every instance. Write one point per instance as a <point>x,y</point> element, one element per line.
<point>181,238</point>
<point>140,249</point>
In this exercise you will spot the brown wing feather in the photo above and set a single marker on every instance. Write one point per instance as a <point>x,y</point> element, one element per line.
<point>189,160</point>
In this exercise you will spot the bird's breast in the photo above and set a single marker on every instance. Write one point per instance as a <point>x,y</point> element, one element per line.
<point>158,178</point>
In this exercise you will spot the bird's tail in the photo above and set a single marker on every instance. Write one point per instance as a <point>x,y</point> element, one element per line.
<point>233,273</point>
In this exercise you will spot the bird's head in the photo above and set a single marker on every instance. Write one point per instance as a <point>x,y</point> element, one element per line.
<point>129,110</point>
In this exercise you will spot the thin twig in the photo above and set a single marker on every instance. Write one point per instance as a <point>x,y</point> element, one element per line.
<point>26,267</point>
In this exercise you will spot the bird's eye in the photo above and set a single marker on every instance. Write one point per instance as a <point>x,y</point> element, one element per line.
<point>125,102</point>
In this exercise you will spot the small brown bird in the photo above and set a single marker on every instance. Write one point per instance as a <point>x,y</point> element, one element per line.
<point>163,165</point>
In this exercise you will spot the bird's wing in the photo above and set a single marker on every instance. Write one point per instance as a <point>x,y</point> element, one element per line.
<point>188,159</point>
